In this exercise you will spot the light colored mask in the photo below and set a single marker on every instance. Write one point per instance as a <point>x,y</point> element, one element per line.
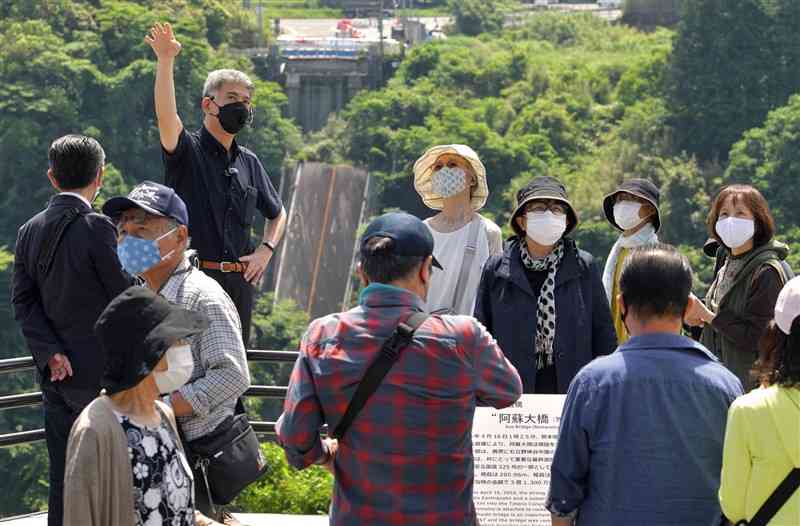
<point>626,214</point>
<point>735,231</point>
<point>546,228</point>
<point>448,182</point>
<point>180,365</point>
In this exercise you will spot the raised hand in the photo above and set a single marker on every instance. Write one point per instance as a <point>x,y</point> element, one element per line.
<point>162,40</point>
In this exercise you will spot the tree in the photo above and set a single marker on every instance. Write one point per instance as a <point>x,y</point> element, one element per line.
<point>651,13</point>
<point>769,158</point>
<point>474,17</point>
<point>733,62</point>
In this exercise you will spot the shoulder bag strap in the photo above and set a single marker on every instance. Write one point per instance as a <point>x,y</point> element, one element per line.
<point>470,250</point>
<point>50,245</point>
<point>379,368</point>
<point>775,502</point>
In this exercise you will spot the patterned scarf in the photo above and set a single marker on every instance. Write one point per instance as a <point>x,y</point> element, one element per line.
<point>546,314</point>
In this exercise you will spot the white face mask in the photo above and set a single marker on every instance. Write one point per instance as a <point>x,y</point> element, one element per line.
<point>546,228</point>
<point>735,231</point>
<point>626,214</point>
<point>180,365</point>
<point>448,182</point>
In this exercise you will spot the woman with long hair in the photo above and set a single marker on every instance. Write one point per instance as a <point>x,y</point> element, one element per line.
<point>762,440</point>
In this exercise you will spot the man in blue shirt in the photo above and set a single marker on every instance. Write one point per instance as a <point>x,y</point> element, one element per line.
<point>642,429</point>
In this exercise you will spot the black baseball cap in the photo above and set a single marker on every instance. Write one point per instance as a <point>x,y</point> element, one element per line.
<point>153,198</point>
<point>410,235</point>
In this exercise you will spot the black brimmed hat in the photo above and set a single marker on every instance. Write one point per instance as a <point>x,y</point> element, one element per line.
<point>135,331</point>
<point>544,188</point>
<point>641,188</point>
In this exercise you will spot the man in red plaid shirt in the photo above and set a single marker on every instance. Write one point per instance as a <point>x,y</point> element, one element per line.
<point>407,458</point>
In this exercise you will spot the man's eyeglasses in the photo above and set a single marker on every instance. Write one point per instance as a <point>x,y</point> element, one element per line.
<point>137,217</point>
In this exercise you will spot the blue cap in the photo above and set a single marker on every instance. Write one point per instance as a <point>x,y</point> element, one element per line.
<point>410,235</point>
<point>153,198</point>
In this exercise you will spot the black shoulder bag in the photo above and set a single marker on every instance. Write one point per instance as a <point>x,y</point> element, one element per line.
<point>379,368</point>
<point>775,502</point>
<point>49,247</point>
<point>229,458</point>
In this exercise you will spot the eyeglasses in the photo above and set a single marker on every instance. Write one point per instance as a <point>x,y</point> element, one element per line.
<point>137,217</point>
<point>540,208</point>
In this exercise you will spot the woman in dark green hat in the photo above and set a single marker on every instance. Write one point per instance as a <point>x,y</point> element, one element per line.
<point>633,209</point>
<point>542,298</point>
<point>125,461</point>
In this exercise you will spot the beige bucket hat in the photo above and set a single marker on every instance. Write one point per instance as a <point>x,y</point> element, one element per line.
<point>423,170</point>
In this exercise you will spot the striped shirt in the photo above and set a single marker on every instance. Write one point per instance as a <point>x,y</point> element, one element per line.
<point>407,458</point>
<point>220,374</point>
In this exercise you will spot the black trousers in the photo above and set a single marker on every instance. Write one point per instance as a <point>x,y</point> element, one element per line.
<point>243,295</point>
<point>58,420</point>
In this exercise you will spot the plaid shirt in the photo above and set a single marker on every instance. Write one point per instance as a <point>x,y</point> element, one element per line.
<point>220,374</point>
<point>407,458</point>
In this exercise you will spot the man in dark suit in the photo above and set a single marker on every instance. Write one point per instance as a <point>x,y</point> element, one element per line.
<point>66,271</point>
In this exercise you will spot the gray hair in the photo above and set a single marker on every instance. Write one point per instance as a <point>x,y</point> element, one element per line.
<point>218,77</point>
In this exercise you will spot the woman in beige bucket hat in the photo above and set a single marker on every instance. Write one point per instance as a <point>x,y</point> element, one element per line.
<point>452,179</point>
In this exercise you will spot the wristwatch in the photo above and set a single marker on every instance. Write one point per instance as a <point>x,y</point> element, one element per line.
<point>269,245</point>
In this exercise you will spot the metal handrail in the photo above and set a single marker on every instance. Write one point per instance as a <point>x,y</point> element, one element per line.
<point>12,365</point>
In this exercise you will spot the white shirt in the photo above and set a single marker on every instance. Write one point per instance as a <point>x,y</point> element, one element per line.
<point>448,248</point>
<point>79,196</point>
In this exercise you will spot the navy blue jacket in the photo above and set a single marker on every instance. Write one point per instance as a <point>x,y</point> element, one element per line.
<point>57,310</point>
<point>507,306</point>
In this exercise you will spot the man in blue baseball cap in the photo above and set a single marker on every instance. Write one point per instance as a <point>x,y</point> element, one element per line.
<point>153,241</point>
<point>415,432</point>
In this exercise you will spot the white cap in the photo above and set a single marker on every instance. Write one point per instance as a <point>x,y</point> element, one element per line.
<point>787,308</point>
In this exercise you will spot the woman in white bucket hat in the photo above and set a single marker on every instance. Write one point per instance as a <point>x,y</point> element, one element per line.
<point>452,179</point>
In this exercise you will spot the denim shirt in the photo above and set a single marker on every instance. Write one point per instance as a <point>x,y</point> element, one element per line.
<point>641,436</point>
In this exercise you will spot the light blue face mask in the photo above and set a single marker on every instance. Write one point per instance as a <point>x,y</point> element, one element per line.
<point>139,255</point>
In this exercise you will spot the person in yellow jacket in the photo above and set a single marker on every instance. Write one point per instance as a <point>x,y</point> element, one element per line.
<point>762,440</point>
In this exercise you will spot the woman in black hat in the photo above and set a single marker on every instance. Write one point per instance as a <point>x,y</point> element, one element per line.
<point>542,298</point>
<point>633,209</point>
<point>125,462</point>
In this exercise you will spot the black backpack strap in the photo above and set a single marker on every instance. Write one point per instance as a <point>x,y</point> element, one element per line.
<point>379,368</point>
<point>775,502</point>
<point>50,245</point>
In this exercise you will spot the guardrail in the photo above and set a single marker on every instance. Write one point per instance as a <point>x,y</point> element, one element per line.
<point>14,365</point>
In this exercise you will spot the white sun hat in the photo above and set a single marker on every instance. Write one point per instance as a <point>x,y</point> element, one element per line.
<point>787,308</point>
<point>423,169</point>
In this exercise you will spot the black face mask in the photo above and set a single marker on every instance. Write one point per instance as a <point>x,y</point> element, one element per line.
<point>233,117</point>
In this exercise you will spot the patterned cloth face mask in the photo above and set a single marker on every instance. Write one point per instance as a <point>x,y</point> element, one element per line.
<point>139,255</point>
<point>448,182</point>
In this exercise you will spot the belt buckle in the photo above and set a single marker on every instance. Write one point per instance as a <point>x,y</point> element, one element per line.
<point>222,267</point>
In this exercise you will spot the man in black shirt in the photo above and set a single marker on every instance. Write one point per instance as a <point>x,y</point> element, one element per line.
<point>221,182</point>
<point>66,271</point>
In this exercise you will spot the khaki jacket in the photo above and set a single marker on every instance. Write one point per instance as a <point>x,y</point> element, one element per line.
<point>98,482</point>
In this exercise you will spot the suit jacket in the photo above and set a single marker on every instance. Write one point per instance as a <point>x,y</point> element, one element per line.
<point>57,310</point>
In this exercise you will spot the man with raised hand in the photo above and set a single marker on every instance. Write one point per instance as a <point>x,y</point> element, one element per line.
<point>221,182</point>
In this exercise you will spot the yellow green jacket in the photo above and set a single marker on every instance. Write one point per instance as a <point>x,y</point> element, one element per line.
<point>762,444</point>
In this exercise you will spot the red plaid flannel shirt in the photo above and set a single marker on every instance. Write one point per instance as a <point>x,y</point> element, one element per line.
<point>407,458</point>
